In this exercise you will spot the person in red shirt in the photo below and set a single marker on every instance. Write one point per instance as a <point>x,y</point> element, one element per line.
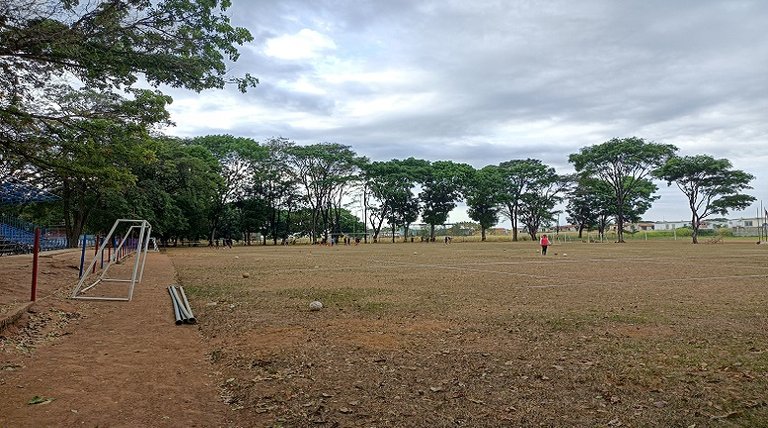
<point>544,244</point>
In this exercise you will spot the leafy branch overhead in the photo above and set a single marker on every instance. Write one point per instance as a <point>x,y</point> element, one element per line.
<point>67,68</point>
<point>181,43</point>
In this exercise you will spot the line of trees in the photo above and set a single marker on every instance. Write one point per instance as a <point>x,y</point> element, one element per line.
<point>72,122</point>
<point>231,187</point>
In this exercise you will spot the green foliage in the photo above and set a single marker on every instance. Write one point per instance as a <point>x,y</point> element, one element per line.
<point>174,190</point>
<point>84,142</point>
<point>324,172</point>
<point>182,43</point>
<point>710,185</point>
<point>391,183</point>
<point>530,190</point>
<point>724,232</point>
<point>483,195</point>
<point>238,158</point>
<point>441,187</point>
<point>625,166</point>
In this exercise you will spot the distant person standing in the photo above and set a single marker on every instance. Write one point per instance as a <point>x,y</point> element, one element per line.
<point>544,241</point>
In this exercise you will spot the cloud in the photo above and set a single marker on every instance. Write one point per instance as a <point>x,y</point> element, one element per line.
<point>306,44</point>
<point>486,81</point>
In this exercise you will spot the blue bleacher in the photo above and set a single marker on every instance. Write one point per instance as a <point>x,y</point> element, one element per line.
<point>17,240</point>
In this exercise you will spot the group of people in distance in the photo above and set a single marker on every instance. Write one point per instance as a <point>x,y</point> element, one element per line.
<point>226,241</point>
<point>334,240</point>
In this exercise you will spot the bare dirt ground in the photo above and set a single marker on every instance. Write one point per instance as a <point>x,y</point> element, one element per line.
<point>98,363</point>
<point>641,334</point>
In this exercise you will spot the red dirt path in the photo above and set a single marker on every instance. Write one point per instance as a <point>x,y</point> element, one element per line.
<point>121,363</point>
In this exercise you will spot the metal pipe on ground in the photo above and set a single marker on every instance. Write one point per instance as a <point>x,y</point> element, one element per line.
<point>176,311</point>
<point>186,303</point>
<point>185,314</point>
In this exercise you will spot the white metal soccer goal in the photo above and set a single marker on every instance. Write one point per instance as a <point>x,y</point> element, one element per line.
<point>129,244</point>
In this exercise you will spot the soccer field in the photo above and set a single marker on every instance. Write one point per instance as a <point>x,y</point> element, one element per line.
<point>660,333</point>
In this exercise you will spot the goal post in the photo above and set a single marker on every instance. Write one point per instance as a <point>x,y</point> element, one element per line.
<point>144,231</point>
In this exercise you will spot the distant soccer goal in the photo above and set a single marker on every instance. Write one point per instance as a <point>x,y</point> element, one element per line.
<point>134,241</point>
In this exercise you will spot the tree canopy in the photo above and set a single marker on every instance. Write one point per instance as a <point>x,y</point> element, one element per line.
<point>625,165</point>
<point>711,186</point>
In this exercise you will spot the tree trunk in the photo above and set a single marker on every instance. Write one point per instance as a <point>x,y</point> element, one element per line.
<point>76,213</point>
<point>695,228</point>
<point>365,216</point>
<point>513,212</point>
<point>620,221</point>
<point>288,222</point>
<point>482,233</point>
<point>274,219</point>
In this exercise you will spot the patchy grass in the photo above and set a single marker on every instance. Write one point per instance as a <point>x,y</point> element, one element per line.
<point>486,334</point>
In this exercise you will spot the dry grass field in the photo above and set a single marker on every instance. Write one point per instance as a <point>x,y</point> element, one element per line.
<point>486,334</point>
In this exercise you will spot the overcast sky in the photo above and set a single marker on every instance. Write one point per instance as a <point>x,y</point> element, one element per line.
<point>483,82</point>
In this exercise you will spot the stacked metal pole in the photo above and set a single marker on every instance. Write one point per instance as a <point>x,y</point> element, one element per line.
<point>181,309</point>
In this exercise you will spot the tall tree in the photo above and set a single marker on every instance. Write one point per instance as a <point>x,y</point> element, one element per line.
<point>66,74</point>
<point>520,176</point>
<point>238,159</point>
<point>275,183</point>
<point>537,205</point>
<point>623,164</point>
<point>85,162</point>
<point>711,185</point>
<point>174,190</point>
<point>392,183</point>
<point>324,171</point>
<point>106,45</point>
<point>590,205</point>
<point>484,196</point>
<point>582,206</point>
<point>441,187</point>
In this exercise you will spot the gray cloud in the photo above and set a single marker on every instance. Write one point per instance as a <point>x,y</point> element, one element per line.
<point>486,81</point>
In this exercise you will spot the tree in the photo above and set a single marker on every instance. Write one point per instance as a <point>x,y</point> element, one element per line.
<point>519,177</point>
<point>483,195</point>
<point>174,190</point>
<point>275,183</point>
<point>392,183</point>
<point>83,163</point>
<point>591,205</point>
<point>324,171</point>
<point>350,222</point>
<point>386,186</point>
<point>441,187</point>
<point>105,45</point>
<point>711,186</point>
<point>67,68</point>
<point>376,179</point>
<point>537,205</point>
<point>238,159</point>
<point>583,206</point>
<point>625,166</point>
<point>182,43</point>
<point>404,210</point>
